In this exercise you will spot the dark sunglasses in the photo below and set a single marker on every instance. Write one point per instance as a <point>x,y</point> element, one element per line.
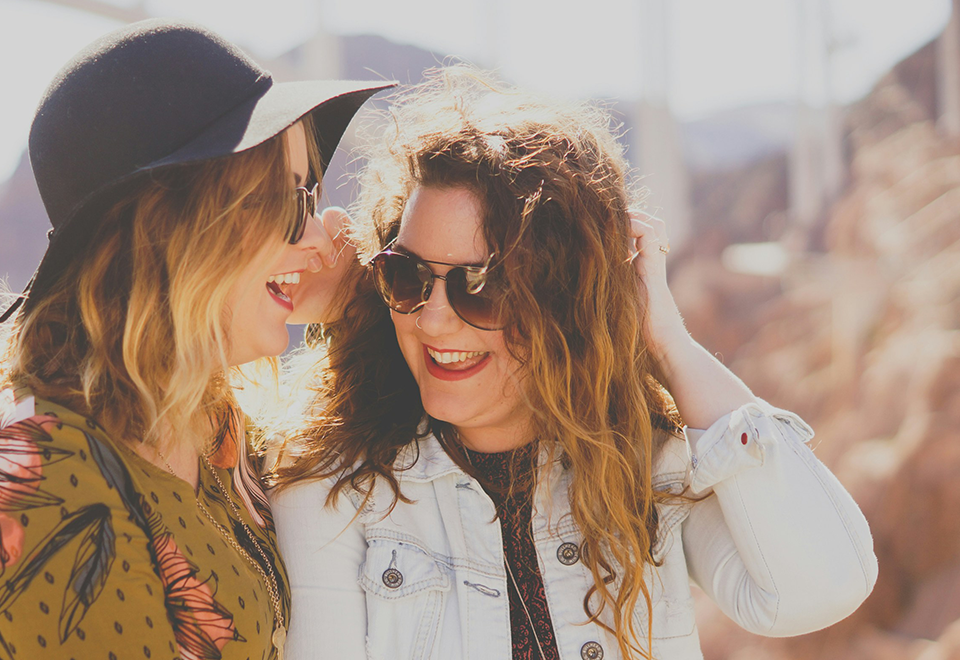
<point>405,283</point>
<point>307,201</point>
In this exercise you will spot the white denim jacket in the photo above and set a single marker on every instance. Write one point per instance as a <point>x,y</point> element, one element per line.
<point>781,547</point>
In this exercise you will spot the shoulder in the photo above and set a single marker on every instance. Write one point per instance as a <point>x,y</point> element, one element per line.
<point>56,463</point>
<point>69,511</point>
<point>60,478</point>
<point>41,441</point>
<point>310,496</point>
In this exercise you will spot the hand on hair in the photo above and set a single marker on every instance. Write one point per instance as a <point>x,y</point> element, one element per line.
<point>703,389</point>
<point>649,246</point>
<point>316,298</point>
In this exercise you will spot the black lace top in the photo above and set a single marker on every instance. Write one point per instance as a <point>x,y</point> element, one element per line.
<point>515,509</point>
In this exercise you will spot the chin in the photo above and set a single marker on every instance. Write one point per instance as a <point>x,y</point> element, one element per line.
<point>451,412</point>
<point>271,348</point>
<point>279,345</point>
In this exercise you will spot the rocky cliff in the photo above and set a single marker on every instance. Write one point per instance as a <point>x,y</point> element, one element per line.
<point>862,339</point>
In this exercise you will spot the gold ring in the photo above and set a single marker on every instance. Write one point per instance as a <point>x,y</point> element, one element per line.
<point>665,248</point>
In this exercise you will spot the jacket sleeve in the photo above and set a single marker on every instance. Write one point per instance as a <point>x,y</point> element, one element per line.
<point>323,548</point>
<point>780,546</point>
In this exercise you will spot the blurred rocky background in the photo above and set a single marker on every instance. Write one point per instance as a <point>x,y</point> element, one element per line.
<point>855,324</point>
<point>817,252</point>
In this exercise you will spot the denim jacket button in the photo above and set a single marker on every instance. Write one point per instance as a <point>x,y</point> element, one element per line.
<point>392,578</point>
<point>568,554</point>
<point>591,651</point>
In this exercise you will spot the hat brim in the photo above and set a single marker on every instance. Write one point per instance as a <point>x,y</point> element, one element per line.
<point>333,103</point>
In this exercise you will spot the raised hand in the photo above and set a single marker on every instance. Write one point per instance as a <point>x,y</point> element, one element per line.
<point>650,246</point>
<point>316,297</point>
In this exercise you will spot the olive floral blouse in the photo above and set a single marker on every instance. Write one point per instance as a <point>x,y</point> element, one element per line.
<point>104,555</point>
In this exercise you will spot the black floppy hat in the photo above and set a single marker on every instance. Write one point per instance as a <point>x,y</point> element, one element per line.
<point>152,95</point>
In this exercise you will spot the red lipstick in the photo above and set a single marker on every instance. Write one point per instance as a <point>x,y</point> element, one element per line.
<point>438,372</point>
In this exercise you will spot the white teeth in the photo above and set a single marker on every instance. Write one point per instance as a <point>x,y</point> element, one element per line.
<point>285,278</point>
<point>453,356</point>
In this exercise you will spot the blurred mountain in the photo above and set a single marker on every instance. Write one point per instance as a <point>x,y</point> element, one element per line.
<point>738,137</point>
<point>365,57</point>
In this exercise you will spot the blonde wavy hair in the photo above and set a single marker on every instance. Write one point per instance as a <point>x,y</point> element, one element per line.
<point>134,333</point>
<point>554,189</point>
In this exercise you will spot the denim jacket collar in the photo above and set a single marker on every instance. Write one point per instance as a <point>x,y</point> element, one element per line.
<point>423,461</point>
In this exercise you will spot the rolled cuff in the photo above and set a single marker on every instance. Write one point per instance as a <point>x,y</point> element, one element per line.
<point>737,441</point>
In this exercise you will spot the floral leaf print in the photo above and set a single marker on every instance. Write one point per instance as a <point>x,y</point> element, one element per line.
<point>229,451</point>
<point>25,451</point>
<point>117,477</point>
<point>69,528</point>
<point>91,566</point>
<point>216,499</point>
<point>201,625</point>
<point>5,647</point>
<point>11,541</point>
<point>224,451</point>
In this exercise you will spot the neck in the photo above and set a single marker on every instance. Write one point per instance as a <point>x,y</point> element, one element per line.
<point>179,458</point>
<point>490,441</point>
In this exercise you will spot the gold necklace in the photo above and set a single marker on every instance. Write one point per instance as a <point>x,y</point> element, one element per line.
<point>269,579</point>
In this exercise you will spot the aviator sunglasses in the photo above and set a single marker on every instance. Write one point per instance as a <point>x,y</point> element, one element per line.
<point>405,283</point>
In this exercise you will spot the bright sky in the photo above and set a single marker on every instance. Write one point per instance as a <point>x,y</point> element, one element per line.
<point>720,54</point>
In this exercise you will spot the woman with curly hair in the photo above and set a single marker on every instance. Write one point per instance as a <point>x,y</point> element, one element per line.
<point>495,462</point>
<point>181,182</point>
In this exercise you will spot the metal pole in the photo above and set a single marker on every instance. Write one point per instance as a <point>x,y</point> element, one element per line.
<point>948,75</point>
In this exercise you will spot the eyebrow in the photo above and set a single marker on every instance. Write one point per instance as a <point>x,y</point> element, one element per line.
<point>400,248</point>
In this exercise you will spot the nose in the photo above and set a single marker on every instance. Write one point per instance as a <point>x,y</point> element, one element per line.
<point>314,244</point>
<point>436,316</point>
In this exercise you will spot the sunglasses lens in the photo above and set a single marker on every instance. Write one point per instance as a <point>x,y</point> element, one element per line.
<point>306,209</point>
<point>475,298</point>
<point>400,281</point>
<point>299,225</point>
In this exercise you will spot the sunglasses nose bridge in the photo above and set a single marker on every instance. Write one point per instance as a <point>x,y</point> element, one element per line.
<point>429,286</point>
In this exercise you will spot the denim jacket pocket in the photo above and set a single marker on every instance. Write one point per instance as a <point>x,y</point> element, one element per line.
<point>669,584</point>
<point>672,618</point>
<point>406,591</point>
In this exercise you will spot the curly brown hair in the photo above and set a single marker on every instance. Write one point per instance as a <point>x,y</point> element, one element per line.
<point>554,191</point>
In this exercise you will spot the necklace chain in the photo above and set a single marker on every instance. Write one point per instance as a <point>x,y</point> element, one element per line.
<point>513,580</point>
<point>268,577</point>
<point>533,627</point>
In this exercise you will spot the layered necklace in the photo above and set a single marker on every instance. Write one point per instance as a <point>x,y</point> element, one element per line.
<point>268,576</point>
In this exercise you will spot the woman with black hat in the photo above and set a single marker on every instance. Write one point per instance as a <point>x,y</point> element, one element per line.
<point>181,182</point>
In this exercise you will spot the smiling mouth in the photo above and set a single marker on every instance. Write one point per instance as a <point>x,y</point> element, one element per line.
<point>279,287</point>
<point>455,360</point>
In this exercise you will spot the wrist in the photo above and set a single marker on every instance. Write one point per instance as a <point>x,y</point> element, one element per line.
<point>670,343</point>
